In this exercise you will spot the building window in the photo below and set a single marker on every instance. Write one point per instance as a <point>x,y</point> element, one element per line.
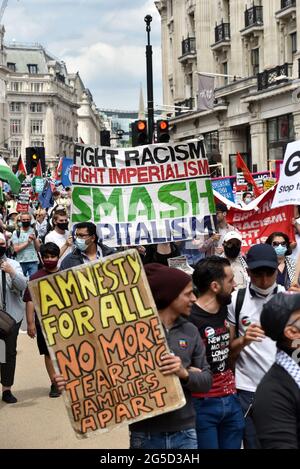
<point>225,72</point>
<point>32,69</point>
<point>294,42</point>
<point>255,61</point>
<point>211,142</point>
<point>37,143</point>
<point>280,133</point>
<point>11,66</point>
<point>16,86</point>
<point>36,127</point>
<point>36,107</point>
<point>15,147</point>
<point>15,126</point>
<point>15,107</point>
<point>36,87</point>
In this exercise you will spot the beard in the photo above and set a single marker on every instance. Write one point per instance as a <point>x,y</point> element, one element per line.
<point>224,299</point>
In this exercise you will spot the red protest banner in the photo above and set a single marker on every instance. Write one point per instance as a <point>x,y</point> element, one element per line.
<point>257,224</point>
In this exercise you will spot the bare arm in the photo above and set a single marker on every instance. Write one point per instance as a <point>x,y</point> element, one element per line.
<point>31,329</point>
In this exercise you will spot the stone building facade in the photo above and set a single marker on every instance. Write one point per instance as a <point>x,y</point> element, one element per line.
<point>256,46</point>
<point>46,106</point>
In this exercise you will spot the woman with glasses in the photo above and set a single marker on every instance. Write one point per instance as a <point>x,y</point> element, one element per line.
<point>286,265</point>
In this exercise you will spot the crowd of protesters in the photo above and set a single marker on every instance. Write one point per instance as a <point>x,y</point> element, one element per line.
<point>235,354</point>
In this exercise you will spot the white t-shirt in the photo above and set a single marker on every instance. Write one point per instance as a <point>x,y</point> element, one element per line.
<point>255,359</point>
<point>59,240</point>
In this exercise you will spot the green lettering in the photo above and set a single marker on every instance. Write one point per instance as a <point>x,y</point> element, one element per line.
<point>82,208</point>
<point>114,201</point>
<point>140,194</point>
<point>181,206</point>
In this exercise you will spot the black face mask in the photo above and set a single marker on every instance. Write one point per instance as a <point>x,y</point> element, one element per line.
<point>232,252</point>
<point>26,224</point>
<point>62,226</point>
<point>2,251</point>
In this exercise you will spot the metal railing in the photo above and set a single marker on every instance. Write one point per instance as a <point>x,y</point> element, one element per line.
<point>222,32</point>
<point>187,105</point>
<point>287,3</point>
<point>272,76</point>
<point>254,16</point>
<point>188,45</point>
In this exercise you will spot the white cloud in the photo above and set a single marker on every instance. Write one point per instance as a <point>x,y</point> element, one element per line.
<point>103,40</point>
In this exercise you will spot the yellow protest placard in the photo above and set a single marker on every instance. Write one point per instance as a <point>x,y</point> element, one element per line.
<point>105,337</point>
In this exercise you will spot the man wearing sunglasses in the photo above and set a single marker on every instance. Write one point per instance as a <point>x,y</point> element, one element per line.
<point>276,409</point>
<point>252,352</point>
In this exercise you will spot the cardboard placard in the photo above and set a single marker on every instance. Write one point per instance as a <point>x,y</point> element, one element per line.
<point>105,337</point>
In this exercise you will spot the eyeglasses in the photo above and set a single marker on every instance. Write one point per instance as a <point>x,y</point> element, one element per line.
<point>276,243</point>
<point>82,236</point>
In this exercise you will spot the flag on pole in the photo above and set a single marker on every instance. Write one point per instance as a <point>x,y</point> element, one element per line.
<point>240,164</point>
<point>7,175</point>
<point>38,171</point>
<point>21,172</point>
<point>45,197</point>
<point>57,174</point>
<point>206,92</point>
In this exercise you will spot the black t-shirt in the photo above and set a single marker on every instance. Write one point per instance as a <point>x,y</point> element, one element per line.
<point>214,330</point>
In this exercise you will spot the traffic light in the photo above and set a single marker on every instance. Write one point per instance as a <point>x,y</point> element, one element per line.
<point>139,133</point>
<point>162,130</point>
<point>33,156</point>
<point>105,138</point>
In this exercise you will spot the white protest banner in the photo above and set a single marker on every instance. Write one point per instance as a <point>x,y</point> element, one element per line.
<point>105,337</point>
<point>143,195</point>
<point>288,187</point>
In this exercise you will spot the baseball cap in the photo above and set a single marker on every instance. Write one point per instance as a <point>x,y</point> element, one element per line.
<point>262,255</point>
<point>232,235</point>
<point>276,313</point>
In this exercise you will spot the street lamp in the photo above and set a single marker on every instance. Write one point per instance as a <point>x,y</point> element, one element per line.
<point>148,20</point>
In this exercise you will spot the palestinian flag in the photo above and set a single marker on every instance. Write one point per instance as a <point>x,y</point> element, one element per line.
<point>57,174</point>
<point>7,175</point>
<point>21,172</point>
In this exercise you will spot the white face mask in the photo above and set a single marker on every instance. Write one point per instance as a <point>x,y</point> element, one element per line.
<point>266,292</point>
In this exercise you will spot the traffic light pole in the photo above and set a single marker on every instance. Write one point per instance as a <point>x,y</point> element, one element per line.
<point>148,20</point>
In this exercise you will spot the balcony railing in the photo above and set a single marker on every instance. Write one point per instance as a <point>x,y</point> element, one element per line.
<point>222,32</point>
<point>188,46</point>
<point>254,16</point>
<point>287,3</point>
<point>187,103</point>
<point>272,76</point>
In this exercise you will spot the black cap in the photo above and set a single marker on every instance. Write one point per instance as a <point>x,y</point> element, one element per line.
<point>262,255</point>
<point>276,313</point>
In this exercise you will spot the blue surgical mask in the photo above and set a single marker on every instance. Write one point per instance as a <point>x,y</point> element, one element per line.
<point>80,244</point>
<point>280,250</point>
<point>248,200</point>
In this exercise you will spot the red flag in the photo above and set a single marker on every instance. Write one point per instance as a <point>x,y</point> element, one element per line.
<point>240,164</point>
<point>57,174</point>
<point>21,169</point>
<point>38,171</point>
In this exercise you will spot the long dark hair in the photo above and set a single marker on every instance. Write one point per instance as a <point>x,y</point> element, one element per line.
<point>270,240</point>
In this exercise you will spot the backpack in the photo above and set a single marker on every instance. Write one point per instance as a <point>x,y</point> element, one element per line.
<point>238,306</point>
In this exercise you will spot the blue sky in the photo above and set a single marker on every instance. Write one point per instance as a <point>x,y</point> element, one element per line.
<point>102,39</point>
